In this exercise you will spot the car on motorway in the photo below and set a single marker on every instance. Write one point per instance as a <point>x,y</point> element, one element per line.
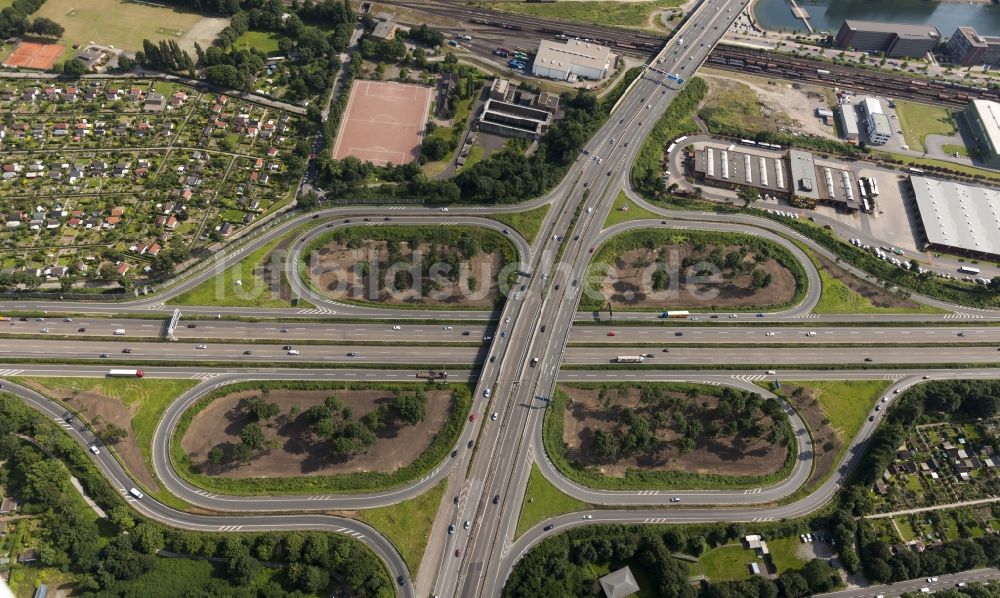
<point>548,527</point>
<point>82,329</point>
<point>127,350</point>
<point>871,418</point>
<point>293,352</point>
<point>352,354</point>
<point>868,359</point>
<point>444,209</point>
<point>771,372</point>
<point>134,492</point>
<point>496,499</point>
<point>471,444</point>
<point>67,319</point>
<point>201,347</point>
<point>487,392</point>
<point>534,361</point>
<point>283,330</point>
<point>650,355</point>
<point>397,327</point>
<point>192,325</point>
<point>449,328</point>
<point>494,416</point>
<point>611,333</point>
<point>675,499</point>
<point>458,552</point>
<point>451,528</point>
<point>678,334</point>
<point>467,524</point>
<point>248,352</point>
<point>588,516</point>
<point>768,334</point>
<point>94,449</point>
<point>932,579</point>
<point>472,417</point>
<point>44,330</point>
<point>401,581</point>
<point>104,356</point>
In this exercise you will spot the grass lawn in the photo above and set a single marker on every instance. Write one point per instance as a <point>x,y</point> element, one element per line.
<point>548,502</point>
<point>114,22</point>
<point>846,403</point>
<point>24,579</point>
<point>921,162</point>
<point>223,290</point>
<point>623,14</point>
<point>408,524</point>
<point>838,298</point>
<point>920,120</point>
<point>784,552</point>
<point>526,223</point>
<point>476,153</point>
<point>264,41</point>
<point>950,149</point>
<point>631,212</point>
<point>727,563</point>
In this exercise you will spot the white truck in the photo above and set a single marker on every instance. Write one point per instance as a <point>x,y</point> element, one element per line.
<point>125,373</point>
<point>119,332</point>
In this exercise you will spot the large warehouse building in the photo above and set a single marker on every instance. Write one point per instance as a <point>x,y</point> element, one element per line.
<point>959,218</point>
<point>573,59</point>
<point>895,39</point>
<point>983,117</point>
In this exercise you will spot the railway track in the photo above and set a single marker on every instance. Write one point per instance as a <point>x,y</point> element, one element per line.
<point>846,77</point>
<point>615,37</point>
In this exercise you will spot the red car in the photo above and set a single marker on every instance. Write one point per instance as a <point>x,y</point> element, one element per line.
<point>472,417</point>
<point>458,552</point>
<point>611,333</point>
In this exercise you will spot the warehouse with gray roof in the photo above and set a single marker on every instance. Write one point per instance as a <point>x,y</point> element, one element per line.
<point>983,117</point>
<point>958,218</point>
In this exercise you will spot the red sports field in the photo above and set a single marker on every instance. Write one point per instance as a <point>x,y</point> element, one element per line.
<point>31,55</point>
<point>384,122</point>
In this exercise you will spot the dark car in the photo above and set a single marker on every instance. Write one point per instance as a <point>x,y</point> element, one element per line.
<point>496,499</point>
<point>678,334</point>
<point>352,354</point>
<point>458,552</point>
<point>82,329</point>
<point>126,350</point>
<point>286,348</point>
<point>192,325</point>
<point>471,444</point>
<point>455,500</point>
<point>248,352</point>
<point>868,359</point>
<point>401,581</point>
<point>871,418</point>
<point>548,527</point>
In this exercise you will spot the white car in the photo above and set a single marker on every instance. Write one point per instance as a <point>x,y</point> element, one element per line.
<point>768,334</point>
<point>397,327</point>
<point>588,516</point>
<point>771,372</point>
<point>494,416</point>
<point>449,327</point>
<point>201,347</point>
<point>444,209</point>
<point>467,525</point>
<point>487,392</point>
<point>134,492</point>
<point>507,319</point>
<point>931,579</point>
<point>810,334</point>
<point>94,449</point>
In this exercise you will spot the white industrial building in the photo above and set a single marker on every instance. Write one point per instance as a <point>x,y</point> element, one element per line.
<point>959,218</point>
<point>849,122</point>
<point>572,59</point>
<point>877,124</point>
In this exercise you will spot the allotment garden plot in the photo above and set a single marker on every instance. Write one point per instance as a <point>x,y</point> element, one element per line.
<point>133,168</point>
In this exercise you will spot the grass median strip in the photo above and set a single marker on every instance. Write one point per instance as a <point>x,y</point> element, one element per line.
<point>408,524</point>
<point>542,501</point>
<point>526,223</point>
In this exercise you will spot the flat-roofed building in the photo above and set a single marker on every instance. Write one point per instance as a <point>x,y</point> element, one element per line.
<point>574,58</point>
<point>895,39</point>
<point>849,122</point>
<point>803,176</point>
<point>958,218</point>
<point>879,129</point>
<point>513,120</point>
<point>968,48</point>
<point>983,117</point>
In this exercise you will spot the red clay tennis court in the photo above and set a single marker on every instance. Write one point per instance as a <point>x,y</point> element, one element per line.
<point>384,122</point>
<point>31,55</point>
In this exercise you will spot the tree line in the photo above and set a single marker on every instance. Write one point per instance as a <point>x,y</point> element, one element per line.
<point>126,564</point>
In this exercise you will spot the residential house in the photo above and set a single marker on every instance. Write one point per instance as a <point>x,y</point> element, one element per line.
<point>123,268</point>
<point>154,102</point>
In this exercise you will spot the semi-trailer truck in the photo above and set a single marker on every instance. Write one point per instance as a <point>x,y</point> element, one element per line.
<point>630,359</point>
<point>123,373</point>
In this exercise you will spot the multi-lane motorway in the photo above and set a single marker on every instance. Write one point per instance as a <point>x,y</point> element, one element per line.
<point>519,359</point>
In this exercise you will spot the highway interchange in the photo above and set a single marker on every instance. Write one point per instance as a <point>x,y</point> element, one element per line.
<point>477,563</point>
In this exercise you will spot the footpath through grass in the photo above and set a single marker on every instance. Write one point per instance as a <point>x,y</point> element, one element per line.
<point>619,14</point>
<point>920,120</point>
<point>542,500</point>
<point>625,209</point>
<point>526,223</point>
<point>408,524</point>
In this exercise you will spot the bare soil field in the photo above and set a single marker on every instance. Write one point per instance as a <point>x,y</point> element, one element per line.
<point>365,274</point>
<point>99,408</point>
<point>875,294</point>
<point>826,441</point>
<point>299,452</point>
<point>768,104</point>
<point>632,287</point>
<point>587,413</point>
